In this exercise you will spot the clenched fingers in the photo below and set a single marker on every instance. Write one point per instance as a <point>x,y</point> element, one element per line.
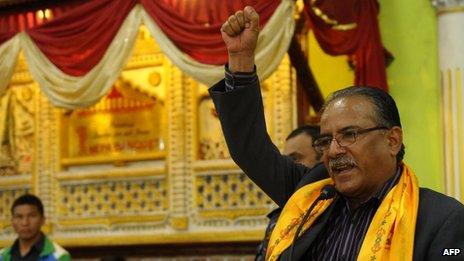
<point>234,24</point>
<point>247,18</point>
<point>240,18</point>
<point>251,18</point>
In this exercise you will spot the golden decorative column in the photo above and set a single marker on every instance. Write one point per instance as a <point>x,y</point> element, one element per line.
<point>43,178</point>
<point>451,56</point>
<point>283,89</point>
<point>176,157</point>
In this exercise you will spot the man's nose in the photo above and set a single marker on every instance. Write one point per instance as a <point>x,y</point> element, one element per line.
<point>24,221</point>
<point>335,149</point>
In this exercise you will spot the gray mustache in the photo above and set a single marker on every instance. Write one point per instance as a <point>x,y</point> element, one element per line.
<point>341,161</point>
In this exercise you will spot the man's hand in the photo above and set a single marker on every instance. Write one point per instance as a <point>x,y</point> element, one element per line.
<point>240,34</point>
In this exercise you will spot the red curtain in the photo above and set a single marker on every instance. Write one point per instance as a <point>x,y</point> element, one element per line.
<point>12,23</point>
<point>77,40</point>
<point>363,42</point>
<point>194,25</point>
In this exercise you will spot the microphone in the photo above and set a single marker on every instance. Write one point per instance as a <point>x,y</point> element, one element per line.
<point>327,192</point>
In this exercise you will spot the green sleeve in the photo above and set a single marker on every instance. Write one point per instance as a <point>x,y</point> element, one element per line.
<point>65,257</point>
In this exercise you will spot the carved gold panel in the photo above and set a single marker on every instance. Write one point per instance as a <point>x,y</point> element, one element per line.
<point>211,142</point>
<point>112,201</point>
<point>7,196</point>
<point>229,195</point>
<point>126,125</point>
<point>17,130</point>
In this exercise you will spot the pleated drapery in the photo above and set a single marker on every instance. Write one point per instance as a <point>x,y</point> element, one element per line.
<point>76,57</point>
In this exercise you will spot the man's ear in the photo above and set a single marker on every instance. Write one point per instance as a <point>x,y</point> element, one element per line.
<point>395,139</point>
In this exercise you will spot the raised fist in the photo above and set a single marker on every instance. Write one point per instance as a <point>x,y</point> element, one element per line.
<point>240,34</point>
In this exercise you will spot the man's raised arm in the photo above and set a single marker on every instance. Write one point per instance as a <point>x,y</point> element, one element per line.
<point>240,109</point>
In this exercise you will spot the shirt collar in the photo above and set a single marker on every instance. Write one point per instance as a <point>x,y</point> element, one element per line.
<point>40,244</point>
<point>380,195</point>
<point>37,247</point>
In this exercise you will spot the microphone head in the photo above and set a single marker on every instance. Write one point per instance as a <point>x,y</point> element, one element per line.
<point>328,191</point>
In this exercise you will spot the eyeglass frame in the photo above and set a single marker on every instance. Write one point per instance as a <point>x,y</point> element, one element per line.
<point>357,132</point>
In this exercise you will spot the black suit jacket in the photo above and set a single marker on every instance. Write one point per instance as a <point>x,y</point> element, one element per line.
<point>440,221</point>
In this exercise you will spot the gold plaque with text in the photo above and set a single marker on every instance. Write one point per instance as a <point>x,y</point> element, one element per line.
<point>117,129</point>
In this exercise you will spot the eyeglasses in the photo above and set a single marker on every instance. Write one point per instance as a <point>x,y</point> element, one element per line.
<point>344,138</point>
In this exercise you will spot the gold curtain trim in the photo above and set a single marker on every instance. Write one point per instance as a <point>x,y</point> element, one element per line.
<point>334,23</point>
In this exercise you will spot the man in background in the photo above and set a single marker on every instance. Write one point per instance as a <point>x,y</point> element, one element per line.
<point>299,147</point>
<point>27,219</point>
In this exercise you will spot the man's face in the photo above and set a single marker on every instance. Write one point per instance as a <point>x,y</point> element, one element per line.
<point>27,221</point>
<point>360,169</point>
<point>300,149</point>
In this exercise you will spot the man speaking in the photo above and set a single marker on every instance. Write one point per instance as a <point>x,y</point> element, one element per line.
<point>369,207</point>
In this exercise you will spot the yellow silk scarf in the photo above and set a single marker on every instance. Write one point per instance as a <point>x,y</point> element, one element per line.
<point>390,235</point>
